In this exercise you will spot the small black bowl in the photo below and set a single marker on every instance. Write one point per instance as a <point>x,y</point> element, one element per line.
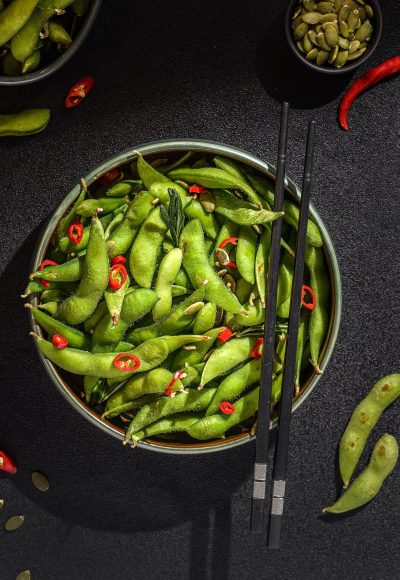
<point>373,43</point>
<point>51,68</point>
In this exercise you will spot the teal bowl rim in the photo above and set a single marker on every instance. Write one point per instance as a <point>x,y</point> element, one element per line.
<point>209,147</point>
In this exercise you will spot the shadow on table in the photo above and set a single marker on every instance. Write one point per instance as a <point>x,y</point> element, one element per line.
<point>287,79</point>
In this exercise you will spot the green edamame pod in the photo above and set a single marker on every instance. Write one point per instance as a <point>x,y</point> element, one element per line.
<point>70,271</point>
<point>362,421</point>
<point>285,280</point>
<point>95,318</point>
<point>115,222</point>
<point>254,314</point>
<point>91,385</point>
<point>145,248</point>
<point>58,34</point>
<point>71,216</point>
<point>95,272</point>
<point>262,265</point>
<point>114,300</point>
<point>14,17</point>
<point>227,356</point>
<point>172,424</point>
<point>210,226</point>
<point>246,253</point>
<point>159,190</point>
<point>50,307</point>
<point>260,184</point>
<point>24,123</point>
<point>67,247</point>
<point>229,166</point>
<point>76,338</point>
<point>241,212</point>
<point>192,357</point>
<point>179,290</point>
<point>319,319</point>
<point>31,63</point>
<point>205,318</point>
<point>243,290</point>
<point>11,66</point>
<point>301,343</point>
<point>180,161</point>
<point>57,294</point>
<point>195,262</point>
<point>104,204</point>
<point>366,486</point>
<point>216,425</point>
<point>166,275</point>
<point>148,174</point>
<point>182,279</point>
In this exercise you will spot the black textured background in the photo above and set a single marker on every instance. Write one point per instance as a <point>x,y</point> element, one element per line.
<point>213,70</point>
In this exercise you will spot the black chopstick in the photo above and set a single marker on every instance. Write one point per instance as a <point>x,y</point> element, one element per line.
<point>285,413</point>
<point>264,405</point>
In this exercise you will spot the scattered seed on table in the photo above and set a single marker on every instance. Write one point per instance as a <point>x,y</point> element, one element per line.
<point>40,481</point>
<point>14,523</point>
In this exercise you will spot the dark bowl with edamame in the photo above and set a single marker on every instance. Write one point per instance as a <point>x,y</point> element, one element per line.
<point>153,426</point>
<point>352,52</point>
<point>52,59</point>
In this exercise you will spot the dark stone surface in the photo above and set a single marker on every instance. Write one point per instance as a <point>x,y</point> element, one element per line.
<point>213,70</point>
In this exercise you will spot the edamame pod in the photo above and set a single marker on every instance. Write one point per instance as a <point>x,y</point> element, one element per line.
<point>227,356</point>
<point>172,424</point>
<point>58,34</point>
<point>167,272</point>
<point>147,173</point>
<point>319,319</point>
<point>210,226</point>
<point>14,17</point>
<point>362,421</point>
<point>105,205</point>
<point>205,318</point>
<point>24,123</point>
<point>241,212</point>
<point>246,253</point>
<point>254,314</point>
<point>76,338</point>
<point>159,190</point>
<point>70,271</point>
<point>31,63</point>
<point>192,357</point>
<point>114,300</point>
<point>262,265</point>
<point>71,216</point>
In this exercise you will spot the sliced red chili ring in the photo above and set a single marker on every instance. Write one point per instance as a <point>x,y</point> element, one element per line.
<point>225,334</point>
<point>227,408</point>
<point>197,189</point>
<point>79,91</point>
<point>109,177</point>
<point>46,283</point>
<point>310,305</point>
<point>75,232</point>
<point>257,350</point>
<point>6,463</point>
<point>59,341</point>
<point>126,362</point>
<point>118,276</point>
<point>118,260</point>
<point>177,375</point>
<point>231,264</point>
<point>226,241</point>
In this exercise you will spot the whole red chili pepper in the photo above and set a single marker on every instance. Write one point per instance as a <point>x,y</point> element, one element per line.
<point>59,341</point>
<point>109,177</point>
<point>118,260</point>
<point>225,334</point>
<point>369,79</point>
<point>75,232</point>
<point>126,362</point>
<point>118,276</point>
<point>257,349</point>
<point>309,305</point>
<point>177,375</point>
<point>227,408</point>
<point>79,91</point>
<point>196,189</point>
<point>46,283</point>
<point>6,463</point>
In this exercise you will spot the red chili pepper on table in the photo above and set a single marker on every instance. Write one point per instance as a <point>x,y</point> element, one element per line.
<point>126,362</point>
<point>177,375</point>
<point>59,341</point>
<point>257,349</point>
<point>118,276</point>
<point>6,463</point>
<point>310,305</point>
<point>109,177</point>
<point>46,283</point>
<point>369,79</point>
<point>227,408</point>
<point>79,91</point>
<point>118,260</point>
<point>225,334</point>
<point>75,232</point>
<point>196,189</point>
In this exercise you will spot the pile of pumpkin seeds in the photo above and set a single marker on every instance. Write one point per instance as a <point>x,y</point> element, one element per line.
<point>332,32</point>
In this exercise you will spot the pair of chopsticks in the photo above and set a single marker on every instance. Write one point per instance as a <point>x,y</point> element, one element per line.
<point>264,408</point>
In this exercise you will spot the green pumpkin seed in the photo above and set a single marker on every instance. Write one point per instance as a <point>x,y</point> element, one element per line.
<point>300,45</point>
<point>352,20</point>
<point>333,54</point>
<point>25,575</point>
<point>312,55</point>
<point>341,58</point>
<point>364,32</point>
<point>40,481</point>
<point>296,22</point>
<point>296,13</point>
<point>207,201</point>
<point>343,43</point>
<point>362,2</point>
<point>362,14</point>
<point>330,23</point>
<point>338,5</point>
<point>309,5</point>
<point>331,35</point>
<point>318,29</point>
<point>14,523</point>
<point>325,7</point>
<point>369,11</point>
<point>230,282</point>
<point>344,29</point>
<point>329,18</point>
<point>322,57</point>
<point>357,54</point>
<point>307,44</point>
<point>344,12</point>
<point>363,44</point>
<point>300,31</point>
<point>1,503</point>
<point>312,35</point>
<point>312,17</point>
<point>322,42</point>
<point>354,45</point>
<point>351,36</point>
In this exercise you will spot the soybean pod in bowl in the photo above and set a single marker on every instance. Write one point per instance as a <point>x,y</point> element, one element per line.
<point>162,349</point>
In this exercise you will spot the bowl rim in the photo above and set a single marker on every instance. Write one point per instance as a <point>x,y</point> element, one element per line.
<point>59,62</point>
<point>177,145</point>
<point>377,32</point>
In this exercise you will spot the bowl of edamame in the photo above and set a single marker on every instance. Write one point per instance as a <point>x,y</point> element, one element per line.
<point>147,295</point>
<point>37,37</point>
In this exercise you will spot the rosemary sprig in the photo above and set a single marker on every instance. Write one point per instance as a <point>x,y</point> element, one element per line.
<point>174,218</point>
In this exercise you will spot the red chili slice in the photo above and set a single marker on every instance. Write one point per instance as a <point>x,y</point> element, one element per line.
<point>231,264</point>
<point>118,260</point>
<point>79,91</point>
<point>226,241</point>
<point>309,305</point>
<point>59,341</point>
<point>225,334</point>
<point>7,464</point>
<point>109,177</point>
<point>196,189</point>
<point>75,232</point>
<point>227,408</point>
<point>126,362</point>
<point>177,375</point>
<point>118,276</point>
<point>46,283</point>
<point>257,349</point>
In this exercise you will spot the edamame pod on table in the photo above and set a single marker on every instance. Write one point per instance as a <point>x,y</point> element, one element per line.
<point>362,421</point>
<point>24,123</point>
<point>14,17</point>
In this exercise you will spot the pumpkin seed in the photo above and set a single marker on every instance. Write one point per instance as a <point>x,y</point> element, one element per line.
<point>300,46</point>
<point>331,35</point>
<point>351,36</point>
<point>325,7</point>
<point>363,44</point>
<point>312,18</point>
<point>364,32</point>
<point>1,503</point>
<point>344,12</point>
<point>296,13</point>
<point>344,29</point>
<point>352,20</point>
<point>322,42</point>
<point>296,22</point>
<point>207,201</point>
<point>362,13</point>
<point>354,45</point>
<point>193,308</point>
<point>318,29</point>
<point>369,11</point>
<point>312,35</point>
<point>338,5</point>
<point>301,30</point>
<point>40,481</point>
<point>322,57</point>
<point>309,5</point>
<point>221,256</point>
<point>341,58</point>
<point>357,54</point>
<point>329,18</point>
<point>25,575</point>
<point>230,282</point>
<point>182,184</point>
<point>343,43</point>
<point>14,523</point>
<point>333,54</point>
<point>312,55</point>
<point>327,24</point>
<point>307,44</point>
<point>219,316</point>
<point>362,2</point>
